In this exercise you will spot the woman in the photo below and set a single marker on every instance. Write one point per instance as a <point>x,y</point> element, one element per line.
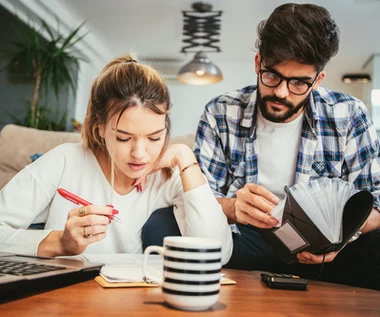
<point>125,138</point>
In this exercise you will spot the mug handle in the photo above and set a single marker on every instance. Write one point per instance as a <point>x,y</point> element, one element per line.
<point>147,275</point>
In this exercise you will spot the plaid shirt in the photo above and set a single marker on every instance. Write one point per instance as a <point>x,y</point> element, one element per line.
<point>338,140</point>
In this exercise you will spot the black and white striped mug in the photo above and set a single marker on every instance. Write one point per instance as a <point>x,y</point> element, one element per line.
<point>191,272</point>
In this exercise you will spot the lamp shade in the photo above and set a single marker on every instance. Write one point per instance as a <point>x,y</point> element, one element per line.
<point>356,78</point>
<point>200,71</point>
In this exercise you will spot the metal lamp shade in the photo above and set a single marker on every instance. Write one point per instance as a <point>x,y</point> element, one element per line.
<point>200,71</point>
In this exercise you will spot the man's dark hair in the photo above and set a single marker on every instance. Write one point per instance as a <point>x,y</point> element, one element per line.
<point>305,33</point>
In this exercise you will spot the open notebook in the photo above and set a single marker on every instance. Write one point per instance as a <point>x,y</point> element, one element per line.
<point>22,275</point>
<point>318,217</point>
<point>125,270</point>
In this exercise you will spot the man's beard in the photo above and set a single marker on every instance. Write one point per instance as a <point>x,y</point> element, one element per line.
<point>274,115</point>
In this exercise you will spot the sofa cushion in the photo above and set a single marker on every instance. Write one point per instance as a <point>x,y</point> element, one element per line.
<point>18,143</point>
<point>187,139</point>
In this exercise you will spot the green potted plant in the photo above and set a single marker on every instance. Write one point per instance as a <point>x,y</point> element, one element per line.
<point>50,63</point>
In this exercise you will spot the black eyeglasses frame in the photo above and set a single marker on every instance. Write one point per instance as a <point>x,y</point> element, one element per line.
<point>287,79</point>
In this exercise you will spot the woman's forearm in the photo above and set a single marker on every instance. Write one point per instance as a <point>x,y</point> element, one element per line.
<point>191,175</point>
<point>51,245</point>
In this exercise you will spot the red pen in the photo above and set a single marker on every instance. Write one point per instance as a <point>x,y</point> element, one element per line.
<point>79,201</point>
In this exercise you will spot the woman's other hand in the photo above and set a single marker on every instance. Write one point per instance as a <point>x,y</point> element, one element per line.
<point>84,225</point>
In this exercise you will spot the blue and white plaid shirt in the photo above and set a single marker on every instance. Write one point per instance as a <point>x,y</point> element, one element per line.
<point>338,140</point>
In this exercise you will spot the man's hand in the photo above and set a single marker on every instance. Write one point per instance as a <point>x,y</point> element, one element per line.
<point>253,205</point>
<point>372,222</point>
<point>309,258</point>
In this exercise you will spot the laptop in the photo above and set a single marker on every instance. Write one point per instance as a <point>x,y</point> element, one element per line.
<point>22,275</point>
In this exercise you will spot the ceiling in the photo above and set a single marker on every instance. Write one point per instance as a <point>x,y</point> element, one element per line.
<point>153,28</point>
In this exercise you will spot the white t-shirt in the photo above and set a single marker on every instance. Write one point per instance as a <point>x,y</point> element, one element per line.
<point>277,148</point>
<point>31,197</point>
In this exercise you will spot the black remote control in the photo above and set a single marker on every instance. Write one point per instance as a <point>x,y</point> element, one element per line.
<point>284,281</point>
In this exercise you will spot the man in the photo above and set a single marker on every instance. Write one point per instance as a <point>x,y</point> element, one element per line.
<point>252,142</point>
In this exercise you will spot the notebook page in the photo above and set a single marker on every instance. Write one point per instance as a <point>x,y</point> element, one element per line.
<point>126,267</point>
<point>323,201</point>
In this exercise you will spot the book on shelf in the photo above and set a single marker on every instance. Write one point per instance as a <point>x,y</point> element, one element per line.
<point>318,217</point>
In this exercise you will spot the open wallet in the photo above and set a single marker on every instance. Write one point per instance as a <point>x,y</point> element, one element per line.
<point>298,232</point>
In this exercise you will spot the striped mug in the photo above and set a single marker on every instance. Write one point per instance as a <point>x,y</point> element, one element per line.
<point>191,272</point>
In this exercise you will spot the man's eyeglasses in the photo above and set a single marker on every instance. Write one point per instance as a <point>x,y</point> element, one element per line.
<point>296,86</point>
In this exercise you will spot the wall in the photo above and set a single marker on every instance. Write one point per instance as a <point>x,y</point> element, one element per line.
<point>14,93</point>
<point>372,66</point>
<point>189,100</point>
<point>11,94</point>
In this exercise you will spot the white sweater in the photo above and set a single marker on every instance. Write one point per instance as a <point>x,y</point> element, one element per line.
<point>31,197</point>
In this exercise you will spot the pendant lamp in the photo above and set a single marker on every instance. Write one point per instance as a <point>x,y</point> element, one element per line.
<point>200,71</point>
<point>200,28</point>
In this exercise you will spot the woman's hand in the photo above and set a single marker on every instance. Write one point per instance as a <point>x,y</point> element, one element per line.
<point>175,155</point>
<point>79,232</point>
<point>253,205</point>
<point>182,156</point>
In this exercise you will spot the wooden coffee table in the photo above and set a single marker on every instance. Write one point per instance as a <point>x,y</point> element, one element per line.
<point>249,297</point>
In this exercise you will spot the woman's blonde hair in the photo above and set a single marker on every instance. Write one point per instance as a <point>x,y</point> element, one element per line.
<point>122,84</point>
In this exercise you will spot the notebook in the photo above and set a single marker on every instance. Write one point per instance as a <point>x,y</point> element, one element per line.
<point>320,217</point>
<point>22,276</point>
<point>125,270</point>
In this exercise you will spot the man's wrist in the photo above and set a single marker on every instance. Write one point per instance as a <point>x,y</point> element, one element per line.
<point>372,222</point>
<point>355,236</point>
<point>228,206</point>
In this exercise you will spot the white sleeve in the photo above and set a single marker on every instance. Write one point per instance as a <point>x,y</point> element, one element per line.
<point>199,214</point>
<point>24,200</point>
